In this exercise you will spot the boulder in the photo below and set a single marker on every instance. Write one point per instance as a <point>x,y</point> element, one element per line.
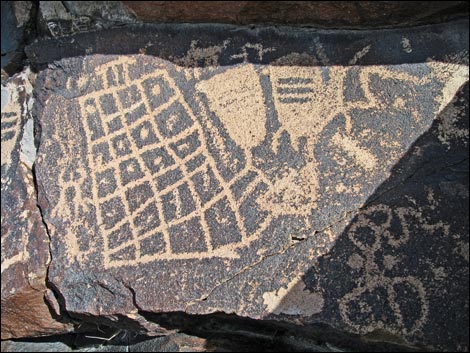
<point>313,186</point>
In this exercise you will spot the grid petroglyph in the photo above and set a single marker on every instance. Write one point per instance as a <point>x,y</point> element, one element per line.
<point>145,187</point>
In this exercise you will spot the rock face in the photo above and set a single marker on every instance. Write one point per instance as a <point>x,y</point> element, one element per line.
<point>16,25</point>
<point>61,18</point>
<point>320,13</point>
<point>25,243</point>
<point>294,190</point>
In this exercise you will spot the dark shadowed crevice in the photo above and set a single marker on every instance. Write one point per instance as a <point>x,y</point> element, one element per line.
<point>17,35</point>
<point>267,335</point>
<point>53,299</point>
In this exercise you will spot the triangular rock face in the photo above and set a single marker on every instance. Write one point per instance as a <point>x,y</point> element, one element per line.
<point>169,189</point>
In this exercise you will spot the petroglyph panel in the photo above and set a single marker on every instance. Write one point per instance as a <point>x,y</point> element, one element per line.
<point>304,176</point>
<point>203,176</point>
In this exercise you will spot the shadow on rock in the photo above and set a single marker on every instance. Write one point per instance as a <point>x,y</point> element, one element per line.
<point>398,273</point>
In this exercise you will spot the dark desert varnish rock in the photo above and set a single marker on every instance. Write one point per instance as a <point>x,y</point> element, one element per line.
<point>296,191</point>
<point>330,14</point>
<point>25,243</point>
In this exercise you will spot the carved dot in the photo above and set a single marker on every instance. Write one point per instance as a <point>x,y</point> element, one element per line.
<point>144,135</point>
<point>121,145</point>
<point>130,171</point>
<point>355,261</point>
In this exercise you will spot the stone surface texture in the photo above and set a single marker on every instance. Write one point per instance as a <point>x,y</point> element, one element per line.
<point>320,13</point>
<point>16,25</point>
<point>25,243</point>
<point>60,18</point>
<point>259,175</point>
